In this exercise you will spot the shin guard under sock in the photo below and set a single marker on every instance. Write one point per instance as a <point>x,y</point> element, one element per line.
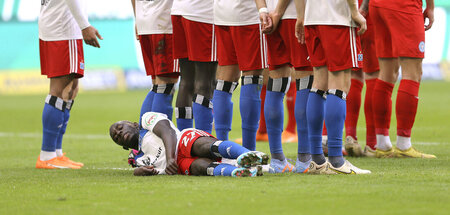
<point>250,106</point>
<point>223,108</point>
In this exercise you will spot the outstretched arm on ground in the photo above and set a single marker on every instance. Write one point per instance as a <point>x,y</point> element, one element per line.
<point>163,130</point>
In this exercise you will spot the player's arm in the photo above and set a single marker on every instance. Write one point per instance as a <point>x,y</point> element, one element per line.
<point>90,34</point>
<point>145,171</point>
<point>356,16</point>
<point>429,13</point>
<point>133,4</point>
<point>279,12</point>
<point>168,135</point>
<point>266,21</point>
<point>364,7</point>
<point>299,25</point>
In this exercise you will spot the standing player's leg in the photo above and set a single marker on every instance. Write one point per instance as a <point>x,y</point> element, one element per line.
<point>183,110</point>
<point>406,107</point>
<point>289,134</point>
<point>353,106</point>
<point>205,73</point>
<point>261,135</point>
<point>250,106</point>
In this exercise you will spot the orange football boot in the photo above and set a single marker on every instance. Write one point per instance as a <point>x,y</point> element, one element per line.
<point>54,163</point>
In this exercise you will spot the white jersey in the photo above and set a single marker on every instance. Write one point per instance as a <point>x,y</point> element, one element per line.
<point>194,10</point>
<point>328,12</point>
<point>290,13</point>
<point>153,146</point>
<point>235,12</point>
<point>62,19</point>
<point>153,17</point>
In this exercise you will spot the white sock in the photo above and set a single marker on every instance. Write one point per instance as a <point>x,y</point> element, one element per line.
<point>45,156</point>
<point>383,142</point>
<point>403,143</point>
<point>59,152</point>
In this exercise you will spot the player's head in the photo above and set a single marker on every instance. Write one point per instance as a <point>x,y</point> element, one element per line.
<point>125,134</point>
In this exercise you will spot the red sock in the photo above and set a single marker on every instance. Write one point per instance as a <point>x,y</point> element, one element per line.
<point>382,106</point>
<point>290,103</point>
<point>324,131</point>
<point>262,119</point>
<point>353,106</point>
<point>406,106</point>
<point>371,139</point>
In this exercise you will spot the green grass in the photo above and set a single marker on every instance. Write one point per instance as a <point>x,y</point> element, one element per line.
<point>396,186</point>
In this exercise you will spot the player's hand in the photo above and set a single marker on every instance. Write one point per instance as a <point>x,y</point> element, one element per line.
<point>364,8</point>
<point>276,17</point>
<point>90,35</point>
<point>145,171</point>
<point>428,13</point>
<point>171,167</point>
<point>266,22</point>
<point>300,30</point>
<point>361,21</point>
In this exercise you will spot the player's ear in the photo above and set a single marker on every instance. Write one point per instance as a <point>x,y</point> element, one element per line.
<point>136,124</point>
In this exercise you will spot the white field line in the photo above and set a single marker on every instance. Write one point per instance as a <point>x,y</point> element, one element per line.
<point>70,136</point>
<point>109,168</point>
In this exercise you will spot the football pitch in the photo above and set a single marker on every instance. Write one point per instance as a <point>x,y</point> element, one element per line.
<point>105,185</point>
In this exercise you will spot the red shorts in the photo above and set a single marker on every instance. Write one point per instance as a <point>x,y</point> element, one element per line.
<point>370,61</point>
<point>59,58</point>
<point>193,40</point>
<point>337,47</point>
<point>157,54</point>
<point>242,45</point>
<point>283,48</point>
<point>398,34</point>
<point>184,157</point>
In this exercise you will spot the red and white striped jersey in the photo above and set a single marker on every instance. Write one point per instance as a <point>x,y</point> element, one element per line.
<point>153,17</point>
<point>194,10</point>
<point>235,12</point>
<point>62,19</point>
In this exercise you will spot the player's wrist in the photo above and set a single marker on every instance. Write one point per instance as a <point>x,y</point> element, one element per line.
<point>263,10</point>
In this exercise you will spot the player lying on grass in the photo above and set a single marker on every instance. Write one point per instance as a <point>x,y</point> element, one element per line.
<point>166,150</point>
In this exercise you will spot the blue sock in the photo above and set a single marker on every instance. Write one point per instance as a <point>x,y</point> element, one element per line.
<point>315,114</point>
<point>334,120</point>
<point>301,100</point>
<point>228,149</point>
<point>147,104</point>
<point>63,129</point>
<point>52,121</point>
<point>223,113</point>
<point>184,117</point>
<point>250,108</point>
<point>223,169</point>
<point>274,114</point>
<point>203,116</point>
<point>162,103</point>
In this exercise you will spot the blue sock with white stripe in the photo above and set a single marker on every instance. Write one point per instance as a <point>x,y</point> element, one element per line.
<point>162,100</point>
<point>63,129</point>
<point>274,114</point>
<point>227,149</point>
<point>250,108</point>
<point>315,110</point>
<point>334,120</point>
<point>223,108</point>
<point>52,121</point>
<point>203,116</point>
<point>223,169</point>
<point>303,87</point>
<point>184,117</point>
<point>147,104</point>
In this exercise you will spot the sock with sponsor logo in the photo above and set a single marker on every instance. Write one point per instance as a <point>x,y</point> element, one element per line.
<point>249,106</point>
<point>290,103</point>
<point>61,133</point>
<point>334,119</point>
<point>315,111</point>
<point>274,114</point>
<point>303,88</point>
<point>52,121</point>
<point>162,100</point>
<point>220,169</point>
<point>203,116</point>
<point>147,104</point>
<point>223,108</point>
<point>353,106</point>
<point>382,108</point>
<point>371,139</point>
<point>406,106</point>
<point>184,117</point>
<point>227,149</point>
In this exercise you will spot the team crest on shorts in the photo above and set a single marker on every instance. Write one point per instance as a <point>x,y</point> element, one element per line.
<point>422,46</point>
<point>360,57</point>
<point>81,65</point>
<point>186,172</point>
